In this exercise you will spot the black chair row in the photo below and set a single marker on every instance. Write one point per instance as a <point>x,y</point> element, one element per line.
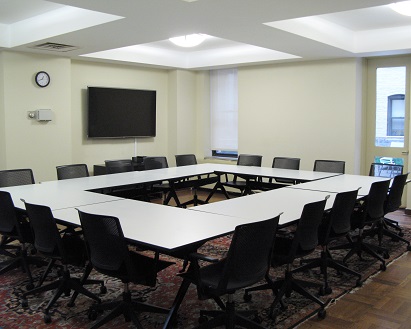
<point>314,228</point>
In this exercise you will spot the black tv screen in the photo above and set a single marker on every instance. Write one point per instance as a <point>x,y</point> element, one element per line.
<point>121,113</point>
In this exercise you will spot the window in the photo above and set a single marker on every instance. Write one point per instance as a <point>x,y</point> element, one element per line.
<point>390,107</point>
<point>395,120</point>
<point>224,112</point>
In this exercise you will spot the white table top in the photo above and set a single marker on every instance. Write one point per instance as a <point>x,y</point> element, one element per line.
<point>299,175</point>
<point>265,205</point>
<point>54,196</point>
<point>169,227</point>
<point>156,225</point>
<point>341,183</point>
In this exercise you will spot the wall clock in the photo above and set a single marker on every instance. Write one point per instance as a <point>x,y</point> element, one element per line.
<point>42,79</point>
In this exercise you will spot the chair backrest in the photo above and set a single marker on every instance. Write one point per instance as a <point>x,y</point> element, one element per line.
<point>185,160</point>
<point>393,201</point>
<point>306,234</point>
<point>286,163</point>
<point>385,170</point>
<point>118,166</point>
<point>72,171</point>
<point>375,200</point>
<point>106,246</point>
<point>249,256</point>
<point>47,238</point>
<point>155,163</point>
<point>339,216</point>
<point>333,166</point>
<point>15,177</point>
<point>8,217</point>
<point>249,160</point>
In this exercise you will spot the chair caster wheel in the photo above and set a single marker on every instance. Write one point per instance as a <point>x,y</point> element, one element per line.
<point>408,248</point>
<point>257,319</point>
<point>92,314</point>
<point>30,286</point>
<point>24,303</point>
<point>103,290</point>
<point>325,291</point>
<point>47,318</point>
<point>322,313</point>
<point>358,283</point>
<point>247,297</point>
<point>386,255</point>
<point>202,319</point>
<point>401,234</point>
<point>274,313</point>
<point>383,267</point>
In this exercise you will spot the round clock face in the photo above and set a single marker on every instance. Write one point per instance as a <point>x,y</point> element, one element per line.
<point>42,79</point>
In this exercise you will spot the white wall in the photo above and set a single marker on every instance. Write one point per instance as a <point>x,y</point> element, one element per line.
<point>306,110</point>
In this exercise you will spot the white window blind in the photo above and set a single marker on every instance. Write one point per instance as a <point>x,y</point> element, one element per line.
<point>224,109</point>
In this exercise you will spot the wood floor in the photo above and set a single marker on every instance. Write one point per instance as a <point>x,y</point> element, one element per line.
<point>384,301</point>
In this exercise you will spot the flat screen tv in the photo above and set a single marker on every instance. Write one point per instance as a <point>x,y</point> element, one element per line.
<point>121,113</point>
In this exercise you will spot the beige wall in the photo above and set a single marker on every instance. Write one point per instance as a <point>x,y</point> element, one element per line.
<point>2,116</point>
<point>306,110</point>
<point>28,143</point>
<point>309,110</point>
<point>94,151</point>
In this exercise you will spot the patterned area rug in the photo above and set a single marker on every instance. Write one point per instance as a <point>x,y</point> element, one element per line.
<point>13,315</point>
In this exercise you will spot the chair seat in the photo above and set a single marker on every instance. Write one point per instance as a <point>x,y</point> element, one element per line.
<point>143,269</point>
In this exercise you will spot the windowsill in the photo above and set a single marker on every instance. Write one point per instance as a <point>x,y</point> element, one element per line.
<point>221,158</point>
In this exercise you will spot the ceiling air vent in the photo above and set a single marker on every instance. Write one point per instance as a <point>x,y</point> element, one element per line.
<point>55,47</point>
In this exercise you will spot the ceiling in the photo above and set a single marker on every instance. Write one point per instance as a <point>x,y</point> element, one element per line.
<point>240,32</point>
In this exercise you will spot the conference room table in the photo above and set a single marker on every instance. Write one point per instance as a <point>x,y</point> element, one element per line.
<point>341,183</point>
<point>168,229</point>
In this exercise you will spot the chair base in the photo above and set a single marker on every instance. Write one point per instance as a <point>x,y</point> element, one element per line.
<point>359,246</point>
<point>324,262</point>
<point>22,260</point>
<point>284,287</point>
<point>127,307</point>
<point>63,285</point>
<point>229,318</point>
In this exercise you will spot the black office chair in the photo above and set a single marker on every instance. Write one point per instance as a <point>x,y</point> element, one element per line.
<point>391,204</point>
<point>165,188</point>
<point>390,171</point>
<point>15,177</point>
<point>195,182</point>
<point>246,263</point>
<point>287,249</point>
<point>72,171</point>
<point>332,166</point>
<point>385,170</point>
<point>185,160</point>
<point>109,254</point>
<point>158,162</point>
<point>118,166</point>
<point>285,163</point>
<point>369,213</point>
<point>241,182</point>
<point>15,228</point>
<point>335,225</point>
<point>66,250</point>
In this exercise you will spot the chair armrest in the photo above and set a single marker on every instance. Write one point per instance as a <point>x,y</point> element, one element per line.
<point>195,256</point>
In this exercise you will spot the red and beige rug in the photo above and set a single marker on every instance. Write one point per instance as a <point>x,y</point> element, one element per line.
<point>14,316</point>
